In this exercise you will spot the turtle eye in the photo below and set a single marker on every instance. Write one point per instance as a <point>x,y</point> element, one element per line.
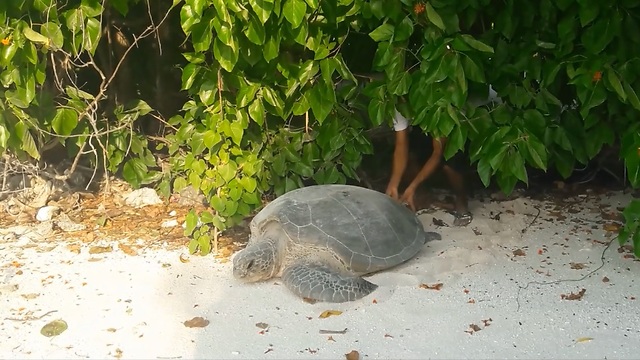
<point>250,265</point>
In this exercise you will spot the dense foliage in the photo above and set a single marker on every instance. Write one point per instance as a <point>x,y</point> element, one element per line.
<point>279,92</point>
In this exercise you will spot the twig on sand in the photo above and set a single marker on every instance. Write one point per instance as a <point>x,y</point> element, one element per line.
<point>565,280</point>
<point>31,318</point>
<point>333,331</point>
<point>532,221</point>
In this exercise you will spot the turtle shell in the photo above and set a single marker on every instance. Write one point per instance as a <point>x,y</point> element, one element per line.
<point>365,229</point>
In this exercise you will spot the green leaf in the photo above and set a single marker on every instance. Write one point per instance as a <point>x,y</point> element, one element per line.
<point>206,217</point>
<point>225,55</point>
<point>262,8</point>
<point>472,70</point>
<point>91,8</point>
<point>632,165</point>
<point>301,106</point>
<point>236,132</point>
<point>122,6</point>
<point>327,67</point>
<point>248,183</point>
<point>476,44</point>
<point>272,48</point>
<point>537,152</point>
<point>65,121</point>
<point>4,135</point>
<point>294,11</point>
<point>35,36</point>
<point>506,181</point>
<point>53,33</point>
<point>614,82</point>
<point>455,143</point>
<point>211,138</point>
<point>497,158</point>
<point>91,35</point>
<point>545,44</point>
<point>595,97</point>
<point>42,5</point>
<point>631,95</point>
<point>434,17</point>
<point>564,162</point>
<point>596,38</point>
<point>534,122</point>
<point>189,75</point>
<point>382,32</point>
<point>255,30</point>
<point>191,222</point>
<point>256,111</point>
<point>8,52</point>
<point>403,30</point>
<point>188,17</point>
<point>134,172</point>
<point>588,12</point>
<point>485,171</point>
<point>302,169</point>
<point>377,111</point>
<point>246,94</point>
<point>636,244</point>
<point>28,144</point>
<point>217,203</point>
<point>227,171</point>
<point>400,84</point>
<point>273,99</point>
<point>207,93</point>
<point>201,36</point>
<point>517,167</point>
<point>321,98</point>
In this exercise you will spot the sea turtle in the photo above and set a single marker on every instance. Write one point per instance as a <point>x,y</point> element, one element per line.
<point>321,239</point>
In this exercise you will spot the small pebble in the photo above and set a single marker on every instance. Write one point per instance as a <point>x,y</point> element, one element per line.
<point>46,213</point>
<point>169,223</point>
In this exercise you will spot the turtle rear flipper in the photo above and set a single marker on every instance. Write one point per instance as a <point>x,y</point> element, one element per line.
<point>320,283</point>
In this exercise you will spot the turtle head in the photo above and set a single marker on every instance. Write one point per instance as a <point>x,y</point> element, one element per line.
<point>258,261</point>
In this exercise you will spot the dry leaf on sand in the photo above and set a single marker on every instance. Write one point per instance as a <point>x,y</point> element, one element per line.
<point>583,339</point>
<point>127,249</point>
<point>196,322</point>
<point>100,249</point>
<point>437,286</point>
<point>54,328</point>
<point>577,266</point>
<point>325,314</point>
<point>572,296</point>
<point>353,355</point>
<point>519,252</point>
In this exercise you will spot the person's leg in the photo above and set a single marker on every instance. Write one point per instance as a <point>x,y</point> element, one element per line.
<point>456,181</point>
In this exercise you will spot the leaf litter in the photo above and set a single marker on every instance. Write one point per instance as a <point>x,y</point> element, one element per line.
<point>577,266</point>
<point>196,322</point>
<point>54,328</point>
<point>325,314</point>
<point>473,328</point>
<point>437,286</point>
<point>574,296</point>
<point>352,355</point>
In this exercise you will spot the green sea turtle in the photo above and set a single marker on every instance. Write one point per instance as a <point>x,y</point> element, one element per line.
<point>321,239</point>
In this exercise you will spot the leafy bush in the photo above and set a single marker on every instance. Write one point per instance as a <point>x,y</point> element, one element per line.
<point>58,77</point>
<point>274,100</point>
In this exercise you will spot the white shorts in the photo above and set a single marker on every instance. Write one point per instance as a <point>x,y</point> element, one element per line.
<point>399,122</point>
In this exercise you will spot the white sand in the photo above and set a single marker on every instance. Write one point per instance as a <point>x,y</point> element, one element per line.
<point>135,306</point>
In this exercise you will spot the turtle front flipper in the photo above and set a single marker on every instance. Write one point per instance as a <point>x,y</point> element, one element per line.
<point>320,283</point>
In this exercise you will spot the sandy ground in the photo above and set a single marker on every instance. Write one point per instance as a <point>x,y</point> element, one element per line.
<point>510,285</point>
